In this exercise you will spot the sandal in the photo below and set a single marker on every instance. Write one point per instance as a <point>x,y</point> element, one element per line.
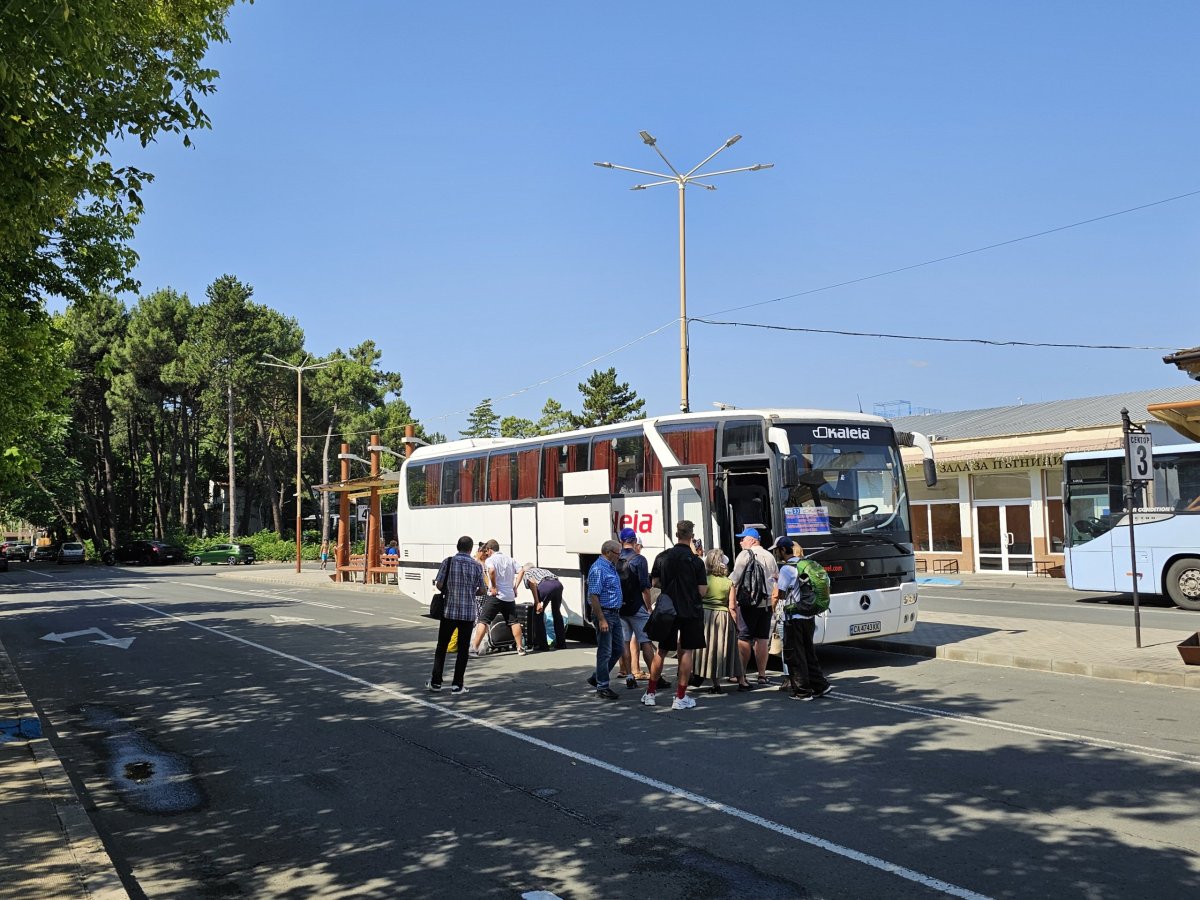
<point>764,681</point>
<point>744,687</point>
<point>716,688</point>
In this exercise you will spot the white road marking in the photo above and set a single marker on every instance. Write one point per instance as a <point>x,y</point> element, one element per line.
<point>295,620</point>
<point>322,605</point>
<point>405,621</point>
<point>360,612</point>
<point>935,884</point>
<point>1032,730</point>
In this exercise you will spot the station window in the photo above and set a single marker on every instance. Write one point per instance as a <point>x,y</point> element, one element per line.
<point>936,527</point>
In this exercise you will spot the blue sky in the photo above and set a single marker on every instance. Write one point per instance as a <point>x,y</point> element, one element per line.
<point>422,175</point>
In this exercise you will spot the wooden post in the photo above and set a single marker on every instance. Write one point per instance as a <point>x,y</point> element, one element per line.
<point>342,556</point>
<point>373,520</point>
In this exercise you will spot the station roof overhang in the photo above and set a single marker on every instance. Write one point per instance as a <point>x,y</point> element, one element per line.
<point>385,483</point>
<point>1182,415</point>
<point>1187,361</point>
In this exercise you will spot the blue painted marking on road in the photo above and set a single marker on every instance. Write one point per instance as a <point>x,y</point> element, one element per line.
<point>19,729</point>
<point>938,579</point>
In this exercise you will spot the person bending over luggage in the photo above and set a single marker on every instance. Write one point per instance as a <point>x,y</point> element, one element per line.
<point>546,590</point>
<point>502,595</point>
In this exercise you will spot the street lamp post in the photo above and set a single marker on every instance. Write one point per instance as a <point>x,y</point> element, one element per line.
<point>682,180</point>
<point>299,370</point>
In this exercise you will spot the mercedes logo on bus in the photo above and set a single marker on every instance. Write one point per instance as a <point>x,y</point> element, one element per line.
<point>865,602</point>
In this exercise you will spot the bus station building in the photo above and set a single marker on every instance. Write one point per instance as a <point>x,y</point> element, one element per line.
<point>998,503</point>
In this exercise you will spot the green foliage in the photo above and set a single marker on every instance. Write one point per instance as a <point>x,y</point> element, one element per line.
<point>555,418</point>
<point>74,76</point>
<point>605,402</point>
<point>514,427</point>
<point>483,421</point>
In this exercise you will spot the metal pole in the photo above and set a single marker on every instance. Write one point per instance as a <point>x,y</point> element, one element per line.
<point>299,385</point>
<point>1126,429</point>
<point>683,323</point>
<point>342,555</point>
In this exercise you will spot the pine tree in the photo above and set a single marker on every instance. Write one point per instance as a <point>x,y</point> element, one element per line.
<point>483,422</point>
<point>605,402</point>
<point>554,418</point>
<point>516,427</point>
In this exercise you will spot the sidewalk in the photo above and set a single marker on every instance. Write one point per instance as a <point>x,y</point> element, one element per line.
<point>50,847</point>
<point>1098,651</point>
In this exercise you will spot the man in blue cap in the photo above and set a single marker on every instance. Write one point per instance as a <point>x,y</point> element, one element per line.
<point>753,584</point>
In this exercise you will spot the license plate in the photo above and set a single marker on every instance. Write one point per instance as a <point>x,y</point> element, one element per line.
<point>866,627</point>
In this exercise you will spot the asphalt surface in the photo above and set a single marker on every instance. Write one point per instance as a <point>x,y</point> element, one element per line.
<point>274,740</point>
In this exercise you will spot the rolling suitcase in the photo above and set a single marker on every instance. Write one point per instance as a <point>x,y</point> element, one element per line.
<point>499,637</point>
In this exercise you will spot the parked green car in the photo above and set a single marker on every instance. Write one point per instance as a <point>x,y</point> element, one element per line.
<point>225,554</point>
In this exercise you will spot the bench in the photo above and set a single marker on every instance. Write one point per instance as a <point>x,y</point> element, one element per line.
<point>1040,567</point>
<point>385,572</point>
<point>945,566</point>
<point>350,572</point>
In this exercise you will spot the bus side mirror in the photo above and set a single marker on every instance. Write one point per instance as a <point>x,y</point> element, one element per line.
<point>930,473</point>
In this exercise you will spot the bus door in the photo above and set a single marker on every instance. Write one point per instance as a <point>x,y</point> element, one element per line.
<point>685,496</point>
<point>587,511</point>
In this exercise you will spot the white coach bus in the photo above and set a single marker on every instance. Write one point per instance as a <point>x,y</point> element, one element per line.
<point>833,481</point>
<point>1167,522</point>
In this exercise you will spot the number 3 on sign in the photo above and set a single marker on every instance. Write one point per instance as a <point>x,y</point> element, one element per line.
<point>1141,457</point>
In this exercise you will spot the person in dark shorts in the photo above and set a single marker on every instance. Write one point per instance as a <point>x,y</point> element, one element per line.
<point>679,573</point>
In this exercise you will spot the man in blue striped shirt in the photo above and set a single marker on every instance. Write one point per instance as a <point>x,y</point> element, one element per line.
<point>604,597</point>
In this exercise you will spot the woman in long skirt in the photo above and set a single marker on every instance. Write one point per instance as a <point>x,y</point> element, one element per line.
<point>720,657</point>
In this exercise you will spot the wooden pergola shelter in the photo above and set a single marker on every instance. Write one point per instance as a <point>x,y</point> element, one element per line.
<point>374,486</point>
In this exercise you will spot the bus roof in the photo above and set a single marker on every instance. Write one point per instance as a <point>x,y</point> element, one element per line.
<point>781,415</point>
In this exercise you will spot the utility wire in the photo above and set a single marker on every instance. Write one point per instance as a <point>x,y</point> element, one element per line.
<point>941,259</point>
<point>919,337</point>
<point>830,287</point>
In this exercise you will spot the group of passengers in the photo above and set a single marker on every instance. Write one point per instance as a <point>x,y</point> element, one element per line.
<point>689,603</point>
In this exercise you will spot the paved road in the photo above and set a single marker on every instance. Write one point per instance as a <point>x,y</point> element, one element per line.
<point>254,741</point>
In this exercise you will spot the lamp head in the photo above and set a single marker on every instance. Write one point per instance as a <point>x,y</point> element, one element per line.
<point>733,140</point>
<point>647,137</point>
<point>603,165</point>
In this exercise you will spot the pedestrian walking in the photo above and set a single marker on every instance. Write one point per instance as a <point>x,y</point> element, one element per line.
<point>460,580</point>
<point>325,554</point>
<point>604,598</point>
<point>679,573</point>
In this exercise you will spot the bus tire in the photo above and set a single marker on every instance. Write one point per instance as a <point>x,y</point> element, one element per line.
<point>1183,583</point>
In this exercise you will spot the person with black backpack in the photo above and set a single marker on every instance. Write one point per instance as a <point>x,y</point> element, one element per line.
<point>635,608</point>
<point>754,574</point>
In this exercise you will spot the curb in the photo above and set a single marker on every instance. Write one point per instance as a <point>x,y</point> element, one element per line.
<point>1038,664</point>
<point>93,865</point>
<point>291,579</point>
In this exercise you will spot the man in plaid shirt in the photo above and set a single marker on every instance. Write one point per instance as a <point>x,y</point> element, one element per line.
<point>460,578</point>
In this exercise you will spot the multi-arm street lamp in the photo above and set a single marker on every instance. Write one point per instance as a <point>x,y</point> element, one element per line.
<point>682,180</point>
<point>299,370</point>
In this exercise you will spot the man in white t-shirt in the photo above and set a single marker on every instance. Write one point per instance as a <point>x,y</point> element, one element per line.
<point>501,574</point>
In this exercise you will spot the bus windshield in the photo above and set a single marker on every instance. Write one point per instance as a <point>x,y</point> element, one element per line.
<point>849,487</point>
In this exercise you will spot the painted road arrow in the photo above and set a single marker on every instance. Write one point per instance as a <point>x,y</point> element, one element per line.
<point>296,620</point>
<point>105,638</point>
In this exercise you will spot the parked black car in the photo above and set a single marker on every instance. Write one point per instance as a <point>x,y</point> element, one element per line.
<point>15,550</point>
<point>45,552</point>
<point>144,553</point>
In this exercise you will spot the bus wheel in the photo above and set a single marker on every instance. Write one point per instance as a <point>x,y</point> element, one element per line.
<point>1183,583</point>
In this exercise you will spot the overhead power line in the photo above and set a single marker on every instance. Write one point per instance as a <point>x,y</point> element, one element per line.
<point>942,259</point>
<point>922,337</point>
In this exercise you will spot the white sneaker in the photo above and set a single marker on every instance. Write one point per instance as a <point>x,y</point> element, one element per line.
<point>648,699</point>
<point>683,703</point>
